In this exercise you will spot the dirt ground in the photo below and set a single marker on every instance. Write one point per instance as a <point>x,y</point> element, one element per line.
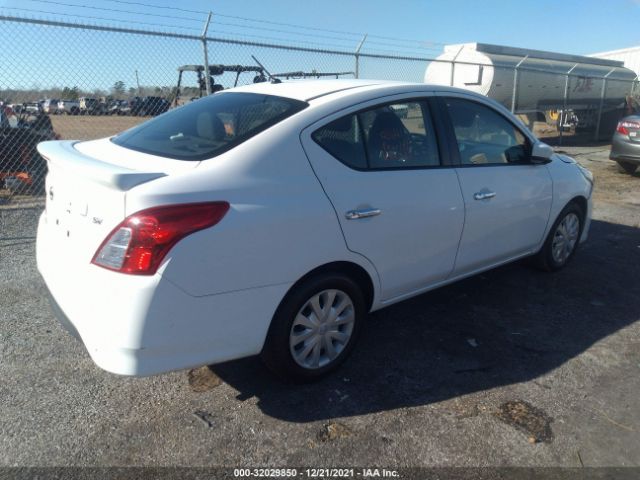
<point>88,127</point>
<point>616,194</point>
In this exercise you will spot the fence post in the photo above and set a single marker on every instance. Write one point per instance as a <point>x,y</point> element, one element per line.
<point>602,94</point>
<point>633,86</point>
<point>453,65</point>
<point>515,84</point>
<point>357,55</point>
<point>564,101</point>
<point>207,76</point>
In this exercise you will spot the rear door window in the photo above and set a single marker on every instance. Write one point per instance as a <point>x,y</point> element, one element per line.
<point>210,126</point>
<point>390,136</point>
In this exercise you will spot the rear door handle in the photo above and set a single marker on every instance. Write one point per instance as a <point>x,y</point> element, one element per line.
<point>485,195</point>
<point>363,213</point>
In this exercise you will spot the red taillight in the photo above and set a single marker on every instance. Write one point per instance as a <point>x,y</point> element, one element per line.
<point>624,126</point>
<point>139,244</point>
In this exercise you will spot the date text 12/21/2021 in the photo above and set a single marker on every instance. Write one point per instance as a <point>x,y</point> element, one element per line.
<point>315,473</point>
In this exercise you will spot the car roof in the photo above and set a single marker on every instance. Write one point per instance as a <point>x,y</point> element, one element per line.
<point>309,90</point>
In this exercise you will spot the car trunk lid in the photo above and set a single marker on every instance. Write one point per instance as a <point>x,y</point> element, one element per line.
<point>86,189</point>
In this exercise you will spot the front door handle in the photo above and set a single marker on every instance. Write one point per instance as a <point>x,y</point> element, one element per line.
<point>363,213</point>
<point>485,195</point>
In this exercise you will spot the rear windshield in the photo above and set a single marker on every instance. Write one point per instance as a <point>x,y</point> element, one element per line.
<point>208,127</point>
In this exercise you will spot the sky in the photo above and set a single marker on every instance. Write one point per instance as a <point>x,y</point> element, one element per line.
<point>567,26</point>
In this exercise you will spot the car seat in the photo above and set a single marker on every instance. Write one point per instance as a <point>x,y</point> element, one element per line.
<point>209,126</point>
<point>388,140</point>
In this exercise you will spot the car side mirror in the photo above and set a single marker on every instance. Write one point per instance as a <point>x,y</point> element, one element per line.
<point>541,153</point>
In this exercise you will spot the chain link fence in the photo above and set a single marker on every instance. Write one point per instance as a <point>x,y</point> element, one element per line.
<point>64,80</point>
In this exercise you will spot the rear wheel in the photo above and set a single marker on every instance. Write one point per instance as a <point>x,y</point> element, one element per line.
<point>627,167</point>
<point>38,175</point>
<point>37,170</point>
<point>563,239</point>
<point>315,327</point>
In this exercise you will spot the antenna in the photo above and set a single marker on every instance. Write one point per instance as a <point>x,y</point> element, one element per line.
<point>273,79</point>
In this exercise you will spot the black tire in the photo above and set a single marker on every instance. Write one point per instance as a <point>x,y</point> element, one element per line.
<point>627,167</point>
<point>37,169</point>
<point>545,259</point>
<point>276,353</point>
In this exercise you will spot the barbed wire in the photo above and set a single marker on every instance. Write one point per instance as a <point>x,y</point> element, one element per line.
<point>105,19</point>
<point>417,47</point>
<point>413,47</point>
<point>158,6</point>
<point>237,36</point>
<point>272,22</point>
<point>77,5</point>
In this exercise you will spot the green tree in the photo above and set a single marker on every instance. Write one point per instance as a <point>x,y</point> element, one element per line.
<point>118,89</point>
<point>70,93</point>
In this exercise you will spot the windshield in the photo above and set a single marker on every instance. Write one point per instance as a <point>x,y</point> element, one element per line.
<point>208,127</point>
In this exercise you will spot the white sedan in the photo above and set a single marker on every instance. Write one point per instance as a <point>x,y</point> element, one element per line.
<point>270,219</point>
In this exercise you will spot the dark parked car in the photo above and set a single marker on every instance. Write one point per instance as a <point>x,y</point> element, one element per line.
<point>118,107</point>
<point>32,107</point>
<point>21,167</point>
<point>143,106</point>
<point>91,106</point>
<point>625,145</point>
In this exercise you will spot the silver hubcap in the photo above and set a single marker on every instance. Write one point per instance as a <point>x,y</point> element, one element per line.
<point>322,328</point>
<point>565,238</point>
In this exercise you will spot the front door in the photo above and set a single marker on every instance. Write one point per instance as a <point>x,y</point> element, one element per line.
<point>396,203</point>
<point>507,198</point>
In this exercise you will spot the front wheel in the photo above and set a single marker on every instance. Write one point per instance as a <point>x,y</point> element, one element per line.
<point>563,239</point>
<point>315,327</point>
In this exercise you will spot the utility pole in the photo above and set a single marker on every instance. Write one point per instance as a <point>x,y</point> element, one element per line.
<point>138,83</point>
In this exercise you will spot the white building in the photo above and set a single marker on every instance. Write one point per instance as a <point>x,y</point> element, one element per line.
<point>630,56</point>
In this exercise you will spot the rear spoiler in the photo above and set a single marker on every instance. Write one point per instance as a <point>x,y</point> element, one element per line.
<point>64,155</point>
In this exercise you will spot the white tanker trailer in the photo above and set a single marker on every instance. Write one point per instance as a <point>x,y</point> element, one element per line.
<point>540,79</point>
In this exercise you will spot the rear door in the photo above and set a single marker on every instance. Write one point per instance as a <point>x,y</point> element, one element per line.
<point>398,202</point>
<point>507,198</point>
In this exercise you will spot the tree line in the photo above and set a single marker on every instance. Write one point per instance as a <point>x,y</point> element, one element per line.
<point>119,91</point>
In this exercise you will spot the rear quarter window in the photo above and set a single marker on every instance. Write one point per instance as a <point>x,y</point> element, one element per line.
<point>342,138</point>
<point>210,126</point>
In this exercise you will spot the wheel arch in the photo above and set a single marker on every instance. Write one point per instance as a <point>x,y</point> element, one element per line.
<point>351,269</point>
<point>582,202</point>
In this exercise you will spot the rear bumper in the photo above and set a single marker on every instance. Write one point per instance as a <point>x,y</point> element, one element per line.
<point>135,325</point>
<point>624,150</point>
<point>62,318</point>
